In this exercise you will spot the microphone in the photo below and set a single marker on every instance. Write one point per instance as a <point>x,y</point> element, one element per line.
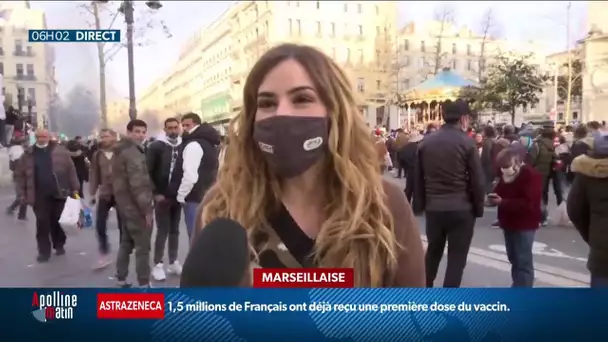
<point>218,257</point>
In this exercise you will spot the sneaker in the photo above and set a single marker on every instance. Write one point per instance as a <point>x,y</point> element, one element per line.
<point>123,284</point>
<point>544,224</point>
<point>103,262</point>
<point>60,251</point>
<point>175,268</point>
<point>496,224</point>
<point>158,272</point>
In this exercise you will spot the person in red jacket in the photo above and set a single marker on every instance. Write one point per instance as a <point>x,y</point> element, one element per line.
<point>518,197</point>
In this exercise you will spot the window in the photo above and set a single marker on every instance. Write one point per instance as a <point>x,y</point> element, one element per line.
<point>422,46</point>
<point>422,62</point>
<point>406,61</point>
<point>361,30</point>
<point>318,5</point>
<point>469,50</point>
<point>361,59</point>
<point>318,27</point>
<point>560,116</point>
<point>299,27</point>
<point>482,64</point>
<point>19,69</point>
<point>406,83</point>
<point>18,45</point>
<point>359,8</point>
<point>469,65</point>
<point>345,8</point>
<point>1,68</point>
<point>30,69</point>
<point>31,94</point>
<point>454,48</point>
<point>377,57</point>
<point>378,84</point>
<point>290,27</point>
<point>333,29</point>
<point>297,4</point>
<point>574,115</point>
<point>406,45</point>
<point>377,10</point>
<point>361,84</point>
<point>454,64</point>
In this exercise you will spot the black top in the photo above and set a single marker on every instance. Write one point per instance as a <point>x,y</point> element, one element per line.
<point>44,178</point>
<point>293,237</point>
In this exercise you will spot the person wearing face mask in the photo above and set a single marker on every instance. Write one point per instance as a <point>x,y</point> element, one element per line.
<point>45,176</point>
<point>132,189</point>
<point>162,156</point>
<point>101,192</point>
<point>198,164</point>
<point>449,189</point>
<point>518,196</point>
<point>304,181</point>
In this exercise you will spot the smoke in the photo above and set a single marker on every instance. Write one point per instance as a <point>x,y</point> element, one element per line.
<point>78,113</point>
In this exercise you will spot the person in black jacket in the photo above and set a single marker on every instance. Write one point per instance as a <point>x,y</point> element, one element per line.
<point>162,157</point>
<point>199,162</point>
<point>449,189</point>
<point>78,152</point>
<point>407,160</point>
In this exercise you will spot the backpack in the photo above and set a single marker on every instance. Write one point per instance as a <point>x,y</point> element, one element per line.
<point>545,157</point>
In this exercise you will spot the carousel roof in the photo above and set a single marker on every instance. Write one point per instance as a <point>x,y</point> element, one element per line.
<point>445,79</point>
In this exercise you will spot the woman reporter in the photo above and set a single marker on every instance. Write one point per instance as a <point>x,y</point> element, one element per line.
<point>302,176</point>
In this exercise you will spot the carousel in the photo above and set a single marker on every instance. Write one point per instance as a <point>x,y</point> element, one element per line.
<point>422,103</point>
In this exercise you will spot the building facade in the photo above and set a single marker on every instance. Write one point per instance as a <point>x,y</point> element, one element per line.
<point>595,57</point>
<point>423,50</point>
<point>211,71</point>
<point>28,68</point>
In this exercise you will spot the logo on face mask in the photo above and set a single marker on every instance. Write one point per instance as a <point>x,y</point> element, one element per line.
<point>266,148</point>
<point>312,144</point>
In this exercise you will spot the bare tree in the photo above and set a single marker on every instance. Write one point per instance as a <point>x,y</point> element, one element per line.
<point>489,27</point>
<point>98,13</point>
<point>444,18</point>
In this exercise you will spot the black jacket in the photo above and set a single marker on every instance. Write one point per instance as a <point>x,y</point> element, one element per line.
<point>208,138</point>
<point>587,203</point>
<point>163,157</point>
<point>449,176</point>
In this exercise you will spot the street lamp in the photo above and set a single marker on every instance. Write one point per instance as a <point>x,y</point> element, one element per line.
<point>126,8</point>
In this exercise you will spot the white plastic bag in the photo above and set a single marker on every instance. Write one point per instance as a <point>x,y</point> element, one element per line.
<point>559,216</point>
<point>70,216</point>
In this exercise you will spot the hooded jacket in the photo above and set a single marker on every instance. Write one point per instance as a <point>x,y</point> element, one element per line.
<point>131,181</point>
<point>198,163</point>
<point>162,157</point>
<point>588,208</point>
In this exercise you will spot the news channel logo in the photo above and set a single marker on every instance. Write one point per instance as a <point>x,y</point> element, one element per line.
<point>73,36</point>
<point>53,306</point>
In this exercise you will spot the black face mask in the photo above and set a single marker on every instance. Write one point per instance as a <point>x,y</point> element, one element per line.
<point>292,144</point>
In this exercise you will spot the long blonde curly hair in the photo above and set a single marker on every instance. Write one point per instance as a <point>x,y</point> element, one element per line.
<point>359,231</point>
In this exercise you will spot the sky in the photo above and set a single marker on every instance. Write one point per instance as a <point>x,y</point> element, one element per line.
<point>541,21</point>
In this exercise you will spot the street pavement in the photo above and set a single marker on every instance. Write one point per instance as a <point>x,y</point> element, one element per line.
<point>557,265</point>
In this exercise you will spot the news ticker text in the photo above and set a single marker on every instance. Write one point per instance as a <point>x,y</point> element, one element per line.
<point>154,306</point>
<point>73,36</point>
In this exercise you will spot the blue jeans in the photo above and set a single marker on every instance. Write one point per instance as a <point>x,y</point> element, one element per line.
<point>519,252</point>
<point>598,282</point>
<point>190,209</point>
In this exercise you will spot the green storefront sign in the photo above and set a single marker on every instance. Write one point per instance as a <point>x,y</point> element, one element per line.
<point>216,108</point>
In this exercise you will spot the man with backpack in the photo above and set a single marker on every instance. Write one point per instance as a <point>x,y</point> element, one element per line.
<point>542,157</point>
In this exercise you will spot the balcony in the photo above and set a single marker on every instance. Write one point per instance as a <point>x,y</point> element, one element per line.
<point>22,77</point>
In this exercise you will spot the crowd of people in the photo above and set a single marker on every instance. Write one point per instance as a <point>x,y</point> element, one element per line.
<point>303,176</point>
<point>451,177</point>
<point>140,182</point>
